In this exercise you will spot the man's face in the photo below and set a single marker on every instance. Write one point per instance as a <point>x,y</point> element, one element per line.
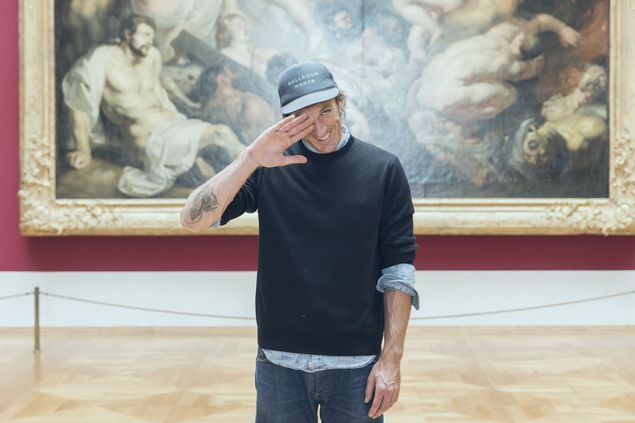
<point>238,29</point>
<point>328,125</point>
<point>537,150</point>
<point>594,81</point>
<point>343,20</point>
<point>142,40</point>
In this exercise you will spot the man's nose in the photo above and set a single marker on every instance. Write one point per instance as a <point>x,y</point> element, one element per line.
<point>320,128</point>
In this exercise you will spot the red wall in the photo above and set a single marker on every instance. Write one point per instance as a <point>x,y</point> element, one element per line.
<point>18,253</point>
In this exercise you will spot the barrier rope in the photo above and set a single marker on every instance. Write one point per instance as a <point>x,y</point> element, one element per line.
<point>514,310</point>
<point>446,316</point>
<point>37,294</point>
<point>8,297</point>
<point>154,310</point>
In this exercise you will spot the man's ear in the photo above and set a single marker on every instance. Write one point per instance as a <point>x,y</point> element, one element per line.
<point>340,108</point>
<point>126,34</point>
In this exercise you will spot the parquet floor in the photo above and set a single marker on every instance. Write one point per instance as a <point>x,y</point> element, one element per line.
<point>450,375</point>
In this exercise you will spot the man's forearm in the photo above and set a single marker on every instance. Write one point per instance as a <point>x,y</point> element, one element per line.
<point>384,381</point>
<point>397,314</point>
<point>206,204</point>
<point>81,130</point>
<point>548,23</point>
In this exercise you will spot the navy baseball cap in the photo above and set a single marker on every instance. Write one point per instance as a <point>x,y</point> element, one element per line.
<point>305,84</point>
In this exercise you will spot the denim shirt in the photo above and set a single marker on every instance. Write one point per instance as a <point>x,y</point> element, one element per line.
<point>399,277</point>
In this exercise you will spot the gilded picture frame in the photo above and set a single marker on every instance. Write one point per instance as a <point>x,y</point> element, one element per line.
<point>44,213</point>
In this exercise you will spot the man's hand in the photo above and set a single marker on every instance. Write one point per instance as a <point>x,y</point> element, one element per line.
<point>268,149</point>
<point>384,380</point>
<point>79,158</point>
<point>569,37</point>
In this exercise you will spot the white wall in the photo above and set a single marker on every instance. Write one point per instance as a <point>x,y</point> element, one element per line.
<point>232,294</point>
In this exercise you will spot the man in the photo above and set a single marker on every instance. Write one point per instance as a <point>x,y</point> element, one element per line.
<point>336,230</point>
<point>234,41</point>
<point>425,14</point>
<point>122,81</point>
<point>173,17</point>
<point>470,81</point>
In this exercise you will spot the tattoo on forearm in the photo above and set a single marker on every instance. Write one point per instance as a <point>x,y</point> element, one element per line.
<point>204,202</point>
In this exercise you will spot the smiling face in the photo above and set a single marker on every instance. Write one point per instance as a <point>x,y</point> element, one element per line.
<point>328,125</point>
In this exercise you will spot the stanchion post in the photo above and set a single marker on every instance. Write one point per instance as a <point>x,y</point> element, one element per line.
<point>36,331</point>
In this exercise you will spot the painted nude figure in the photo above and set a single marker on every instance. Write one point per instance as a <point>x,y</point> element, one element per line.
<point>122,81</point>
<point>469,82</point>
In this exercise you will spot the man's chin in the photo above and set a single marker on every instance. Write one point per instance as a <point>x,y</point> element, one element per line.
<point>141,52</point>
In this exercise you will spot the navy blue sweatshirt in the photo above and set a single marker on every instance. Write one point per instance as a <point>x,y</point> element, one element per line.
<point>327,228</point>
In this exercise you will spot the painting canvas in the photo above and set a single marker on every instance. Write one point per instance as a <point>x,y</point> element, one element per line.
<point>504,101</point>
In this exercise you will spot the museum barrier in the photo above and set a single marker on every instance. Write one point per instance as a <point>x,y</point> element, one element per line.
<point>36,293</point>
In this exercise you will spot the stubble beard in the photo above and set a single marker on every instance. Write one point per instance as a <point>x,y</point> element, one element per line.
<point>139,52</point>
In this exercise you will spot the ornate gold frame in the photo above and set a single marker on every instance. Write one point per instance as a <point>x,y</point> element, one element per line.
<point>42,214</point>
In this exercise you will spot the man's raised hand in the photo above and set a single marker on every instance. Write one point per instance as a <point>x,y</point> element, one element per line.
<point>268,149</point>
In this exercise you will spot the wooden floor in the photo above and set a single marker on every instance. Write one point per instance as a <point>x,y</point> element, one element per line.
<point>206,375</point>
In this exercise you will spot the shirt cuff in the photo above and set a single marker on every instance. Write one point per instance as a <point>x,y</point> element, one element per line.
<point>399,277</point>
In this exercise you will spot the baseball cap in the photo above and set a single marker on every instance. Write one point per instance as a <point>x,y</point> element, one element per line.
<point>304,84</point>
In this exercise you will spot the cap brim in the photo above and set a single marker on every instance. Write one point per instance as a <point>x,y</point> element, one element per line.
<point>310,99</point>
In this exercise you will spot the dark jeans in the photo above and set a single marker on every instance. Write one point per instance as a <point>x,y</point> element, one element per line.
<point>292,396</point>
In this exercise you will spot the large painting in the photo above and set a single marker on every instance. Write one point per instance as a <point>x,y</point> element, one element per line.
<point>509,116</point>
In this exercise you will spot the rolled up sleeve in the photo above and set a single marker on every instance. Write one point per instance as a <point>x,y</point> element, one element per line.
<point>399,277</point>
